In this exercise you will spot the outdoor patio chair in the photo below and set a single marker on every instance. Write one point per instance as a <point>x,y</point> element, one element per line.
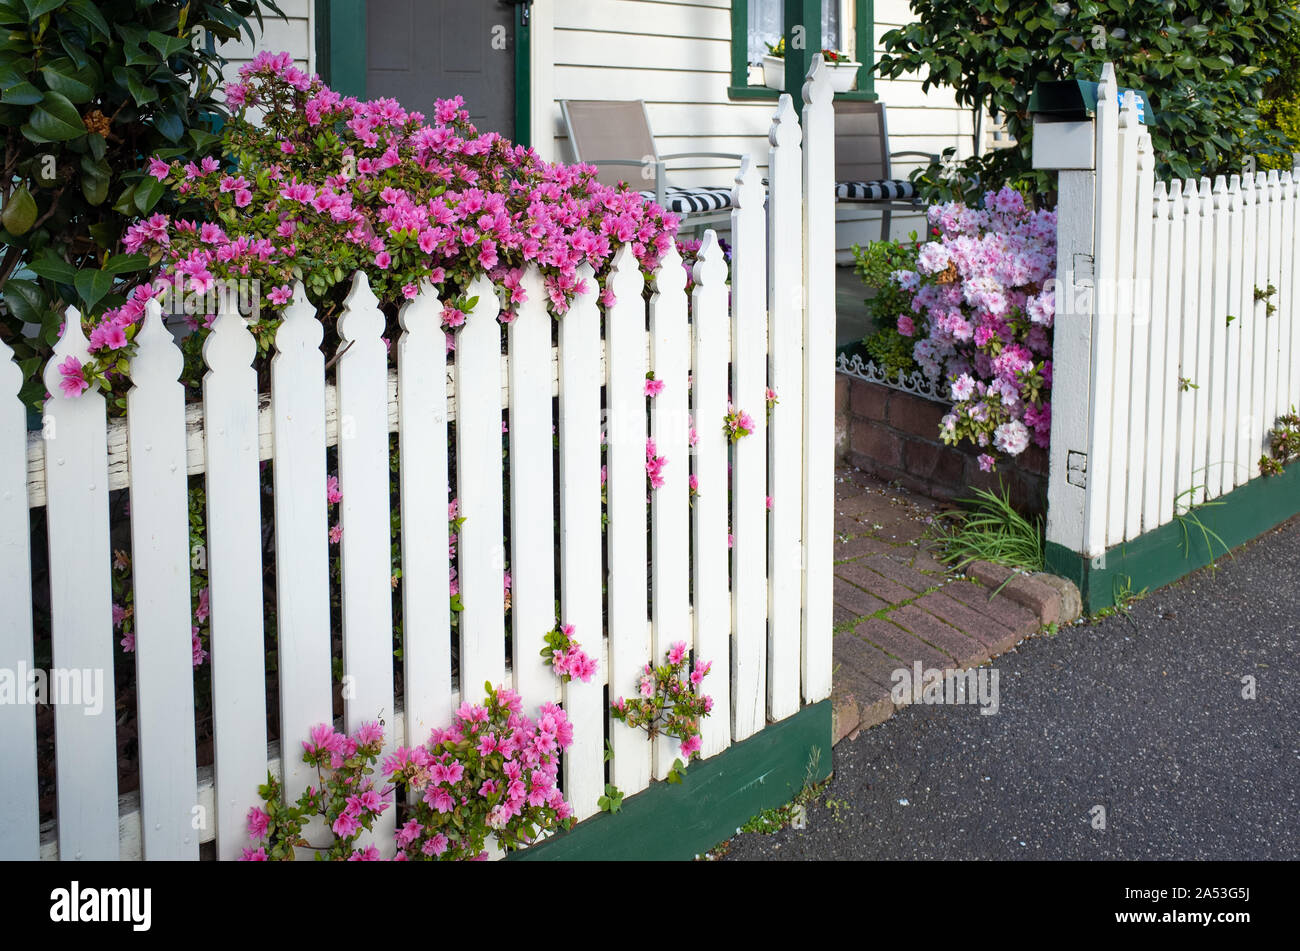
<point>863,169</point>
<point>615,134</point>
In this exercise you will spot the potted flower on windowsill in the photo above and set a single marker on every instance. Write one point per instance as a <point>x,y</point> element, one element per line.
<point>843,69</point>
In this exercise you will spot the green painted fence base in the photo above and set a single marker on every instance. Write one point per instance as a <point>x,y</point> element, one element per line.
<point>1172,551</point>
<point>676,822</point>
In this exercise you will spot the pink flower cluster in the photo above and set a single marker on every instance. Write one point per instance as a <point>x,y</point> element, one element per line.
<point>654,465</point>
<point>566,656</point>
<point>737,424</point>
<point>669,699</point>
<point>493,772</point>
<point>982,313</point>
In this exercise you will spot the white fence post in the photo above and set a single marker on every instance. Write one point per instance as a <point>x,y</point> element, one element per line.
<point>234,556</point>
<point>20,815</point>
<point>818,381</point>
<point>160,563</point>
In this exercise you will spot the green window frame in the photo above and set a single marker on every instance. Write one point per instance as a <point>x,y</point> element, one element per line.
<point>797,11</point>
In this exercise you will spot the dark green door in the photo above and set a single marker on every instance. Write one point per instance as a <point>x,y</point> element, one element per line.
<point>421,50</point>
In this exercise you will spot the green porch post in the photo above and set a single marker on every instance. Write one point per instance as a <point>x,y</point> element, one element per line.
<point>803,40</point>
<point>341,45</point>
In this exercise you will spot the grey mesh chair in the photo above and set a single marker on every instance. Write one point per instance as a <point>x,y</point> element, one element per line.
<point>863,162</point>
<point>615,134</point>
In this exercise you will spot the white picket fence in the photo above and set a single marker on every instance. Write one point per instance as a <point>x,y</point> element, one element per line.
<point>761,612</point>
<point>1169,369</point>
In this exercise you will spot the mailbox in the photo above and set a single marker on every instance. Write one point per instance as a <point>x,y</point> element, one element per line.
<point>1064,113</point>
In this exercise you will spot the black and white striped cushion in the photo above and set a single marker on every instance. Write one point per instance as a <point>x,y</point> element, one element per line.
<point>884,190</point>
<point>688,200</point>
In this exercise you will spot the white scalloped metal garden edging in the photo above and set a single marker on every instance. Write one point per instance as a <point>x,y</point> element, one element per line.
<point>916,382</point>
<point>760,612</point>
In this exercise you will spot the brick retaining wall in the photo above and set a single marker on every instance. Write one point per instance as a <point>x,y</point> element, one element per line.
<point>895,436</point>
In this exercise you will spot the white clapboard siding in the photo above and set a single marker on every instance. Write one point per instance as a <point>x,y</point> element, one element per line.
<point>76,476</point>
<point>365,516</point>
<point>480,487</point>
<point>625,537</point>
<point>19,838</point>
<point>580,541</point>
<point>422,449</point>
<point>1139,303</point>
<point>302,584</point>
<point>1124,323</point>
<point>749,462</point>
<point>1105,264</point>
<point>785,294</point>
<point>1217,343</point>
<point>709,553</point>
<point>234,558</point>
<point>160,549</point>
<point>532,501</point>
<point>670,349</point>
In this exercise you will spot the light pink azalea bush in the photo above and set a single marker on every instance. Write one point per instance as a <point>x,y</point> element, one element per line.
<point>982,312</point>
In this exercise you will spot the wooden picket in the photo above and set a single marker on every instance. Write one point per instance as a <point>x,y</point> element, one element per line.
<point>749,674</point>
<point>234,561</point>
<point>19,819</point>
<point>160,548</point>
<point>1180,401</point>
<point>625,447</point>
<point>716,568</point>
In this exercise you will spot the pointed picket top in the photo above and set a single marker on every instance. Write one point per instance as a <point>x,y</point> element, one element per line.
<point>1274,185</point>
<point>1108,85</point>
<point>748,191</point>
<point>785,129</point>
<point>817,88</point>
<point>422,311</point>
<point>361,314</point>
<point>1189,193</point>
<point>231,345</point>
<point>669,276</point>
<point>625,277</point>
<point>300,326</point>
<point>710,264</point>
<point>1128,113</point>
<point>1220,192</point>
<point>72,342</point>
<point>1288,183</point>
<point>1145,152</point>
<point>488,306</point>
<point>158,355</point>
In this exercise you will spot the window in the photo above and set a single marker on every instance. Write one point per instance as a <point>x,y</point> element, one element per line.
<point>846,25</point>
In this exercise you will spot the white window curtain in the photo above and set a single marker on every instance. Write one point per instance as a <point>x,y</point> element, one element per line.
<point>767,23</point>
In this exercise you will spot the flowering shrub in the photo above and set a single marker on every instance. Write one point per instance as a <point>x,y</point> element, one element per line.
<point>566,656</point>
<point>325,185</point>
<point>346,798</point>
<point>670,701</point>
<point>982,311</point>
<point>737,424</point>
<point>492,773</point>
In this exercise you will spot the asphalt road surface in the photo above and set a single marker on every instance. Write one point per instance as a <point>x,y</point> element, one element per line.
<point>1143,716</point>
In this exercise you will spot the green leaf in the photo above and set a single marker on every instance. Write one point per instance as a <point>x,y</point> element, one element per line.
<point>170,125</point>
<point>126,263</point>
<point>25,300</point>
<point>78,85</point>
<point>147,193</point>
<point>89,12</point>
<point>53,269</point>
<point>19,213</point>
<point>56,119</point>
<point>38,8</point>
<point>92,284</point>
<point>21,94</point>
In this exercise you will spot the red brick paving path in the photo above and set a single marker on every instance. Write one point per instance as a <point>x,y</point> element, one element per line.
<point>896,604</point>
